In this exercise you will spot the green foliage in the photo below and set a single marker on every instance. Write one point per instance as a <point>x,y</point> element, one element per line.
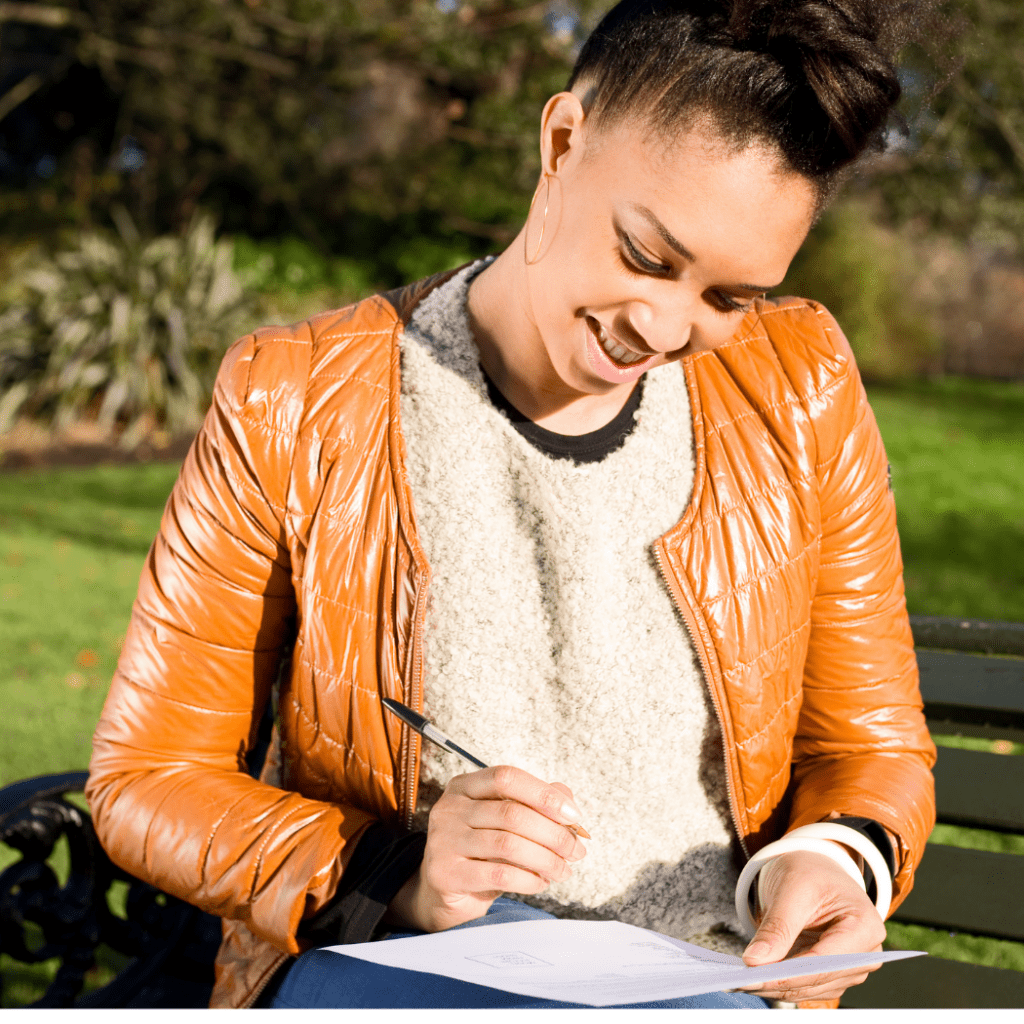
<point>344,121</point>
<point>291,265</point>
<point>867,276</point>
<point>127,332</point>
<point>962,168</point>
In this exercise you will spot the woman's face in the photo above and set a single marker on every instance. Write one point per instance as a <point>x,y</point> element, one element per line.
<point>652,251</point>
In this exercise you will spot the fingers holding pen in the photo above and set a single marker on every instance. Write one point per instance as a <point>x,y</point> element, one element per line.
<point>513,811</point>
<point>507,783</point>
<point>491,831</point>
<point>553,802</point>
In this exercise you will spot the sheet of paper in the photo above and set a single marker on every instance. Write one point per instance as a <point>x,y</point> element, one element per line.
<point>597,963</point>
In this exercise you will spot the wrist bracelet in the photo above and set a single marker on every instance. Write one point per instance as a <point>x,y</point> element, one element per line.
<point>867,849</point>
<point>788,844</point>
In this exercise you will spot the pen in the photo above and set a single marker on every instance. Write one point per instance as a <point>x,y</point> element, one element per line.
<point>429,731</point>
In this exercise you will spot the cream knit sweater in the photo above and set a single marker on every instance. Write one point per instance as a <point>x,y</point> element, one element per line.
<point>552,642</point>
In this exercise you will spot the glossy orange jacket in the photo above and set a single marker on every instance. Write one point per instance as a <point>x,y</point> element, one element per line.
<point>288,555</point>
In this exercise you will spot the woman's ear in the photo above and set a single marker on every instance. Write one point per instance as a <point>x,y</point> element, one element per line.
<point>561,132</point>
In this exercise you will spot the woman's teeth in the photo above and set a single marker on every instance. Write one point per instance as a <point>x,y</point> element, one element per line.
<point>614,349</point>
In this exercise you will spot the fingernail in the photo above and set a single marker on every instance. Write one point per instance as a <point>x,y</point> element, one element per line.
<point>570,812</point>
<point>577,853</point>
<point>757,950</point>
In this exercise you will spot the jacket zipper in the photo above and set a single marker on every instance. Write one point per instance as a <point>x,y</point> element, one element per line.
<point>267,979</point>
<point>415,696</point>
<point>689,622</point>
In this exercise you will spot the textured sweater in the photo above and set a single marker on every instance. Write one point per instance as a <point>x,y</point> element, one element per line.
<point>571,662</point>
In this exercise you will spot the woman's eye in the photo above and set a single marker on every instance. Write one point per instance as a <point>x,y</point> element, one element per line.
<point>727,304</point>
<point>636,261</point>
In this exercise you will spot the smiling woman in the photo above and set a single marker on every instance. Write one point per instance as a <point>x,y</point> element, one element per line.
<point>593,505</point>
<point>669,233</point>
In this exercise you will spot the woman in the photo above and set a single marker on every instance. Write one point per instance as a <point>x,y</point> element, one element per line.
<point>604,512</point>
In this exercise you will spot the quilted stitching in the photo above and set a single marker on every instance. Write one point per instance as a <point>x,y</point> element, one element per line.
<point>793,350</point>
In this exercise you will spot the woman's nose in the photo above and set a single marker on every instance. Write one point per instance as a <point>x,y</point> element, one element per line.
<point>665,327</point>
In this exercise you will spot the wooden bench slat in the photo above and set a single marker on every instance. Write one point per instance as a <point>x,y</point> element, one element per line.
<point>946,727</point>
<point>927,981</point>
<point>967,891</point>
<point>980,790</point>
<point>968,634</point>
<point>972,688</point>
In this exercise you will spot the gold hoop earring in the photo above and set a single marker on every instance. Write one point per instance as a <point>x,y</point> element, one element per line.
<point>543,224</point>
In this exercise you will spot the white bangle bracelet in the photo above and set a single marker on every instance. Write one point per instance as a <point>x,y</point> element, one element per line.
<point>787,844</point>
<point>867,849</point>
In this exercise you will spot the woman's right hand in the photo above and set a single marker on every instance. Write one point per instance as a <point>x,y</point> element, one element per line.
<point>492,831</point>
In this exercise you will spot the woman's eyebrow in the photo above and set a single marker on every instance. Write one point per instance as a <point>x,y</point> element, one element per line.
<point>676,246</point>
<point>667,237</point>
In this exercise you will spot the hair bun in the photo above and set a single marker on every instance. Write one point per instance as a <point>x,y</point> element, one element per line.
<point>835,45</point>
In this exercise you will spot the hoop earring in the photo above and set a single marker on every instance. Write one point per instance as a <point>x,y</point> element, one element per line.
<point>543,224</point>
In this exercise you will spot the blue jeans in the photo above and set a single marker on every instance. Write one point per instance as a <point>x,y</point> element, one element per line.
<point>322,980</point>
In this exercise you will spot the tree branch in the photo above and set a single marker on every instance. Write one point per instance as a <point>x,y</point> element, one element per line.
<point>215,48</point>
<point>21,92</point>
<point>998,118</point>
<point>39,14</point>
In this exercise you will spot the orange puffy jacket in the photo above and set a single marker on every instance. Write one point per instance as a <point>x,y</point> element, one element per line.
<point>288,552</point>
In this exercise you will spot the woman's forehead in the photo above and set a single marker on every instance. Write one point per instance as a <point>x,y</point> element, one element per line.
<point>699,184</point>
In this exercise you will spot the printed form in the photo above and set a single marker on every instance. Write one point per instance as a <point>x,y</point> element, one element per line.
<point>596,963</point>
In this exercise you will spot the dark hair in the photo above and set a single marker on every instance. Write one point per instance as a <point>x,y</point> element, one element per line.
<point>815,78</point>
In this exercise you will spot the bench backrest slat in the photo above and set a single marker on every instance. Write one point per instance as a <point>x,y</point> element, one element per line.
<point>927,982</point>
<point>967,890</point>
<point>968,635</point>
<point>980,790</point>
<point>985,688</point>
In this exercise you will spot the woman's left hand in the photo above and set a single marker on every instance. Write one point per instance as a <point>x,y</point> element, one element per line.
<point>811,907</point>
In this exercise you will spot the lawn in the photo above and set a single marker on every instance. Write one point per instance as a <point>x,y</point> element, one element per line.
<point>956,448</point>
<point>72,543</point>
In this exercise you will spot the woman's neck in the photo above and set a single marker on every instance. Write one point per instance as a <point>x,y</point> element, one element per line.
<point>513,354</point>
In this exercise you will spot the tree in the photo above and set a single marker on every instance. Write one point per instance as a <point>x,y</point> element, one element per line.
<point>363,123</point>
<point>330,117</point>
<point>961,167</point>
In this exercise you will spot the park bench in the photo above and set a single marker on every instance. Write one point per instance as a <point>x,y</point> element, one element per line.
<point>972,680</point>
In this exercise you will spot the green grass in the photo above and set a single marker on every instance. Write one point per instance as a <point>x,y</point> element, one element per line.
<point>24,983</point>
<point>72,544</point>
<point>957,453</point>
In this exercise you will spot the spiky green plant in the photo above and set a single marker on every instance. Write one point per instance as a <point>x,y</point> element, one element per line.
<point>118,330</point>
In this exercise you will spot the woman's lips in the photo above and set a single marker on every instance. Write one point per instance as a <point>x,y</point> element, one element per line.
<point>604,365</point>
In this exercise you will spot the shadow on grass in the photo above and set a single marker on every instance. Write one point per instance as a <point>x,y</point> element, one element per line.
<point>956,566</point>
<point>992,409</point>
<point>113,507</point>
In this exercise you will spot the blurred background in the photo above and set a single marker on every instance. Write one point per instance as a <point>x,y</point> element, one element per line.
<point>174,173</point>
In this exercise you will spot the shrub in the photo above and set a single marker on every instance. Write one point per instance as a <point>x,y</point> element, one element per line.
<point>291,265</point>
<point>872,280</point>
<point>123,331</point>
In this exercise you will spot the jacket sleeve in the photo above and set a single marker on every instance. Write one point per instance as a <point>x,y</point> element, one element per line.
<point>860,677</point>
<point>170,796</point>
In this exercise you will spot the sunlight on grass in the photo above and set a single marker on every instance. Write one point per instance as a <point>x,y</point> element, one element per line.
<point>957,461</point>
<point>969,949</point>
<point>72,544</point>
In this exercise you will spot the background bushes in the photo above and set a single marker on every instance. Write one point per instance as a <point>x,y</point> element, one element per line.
<point>119,330</point>
<point>347,146</point>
